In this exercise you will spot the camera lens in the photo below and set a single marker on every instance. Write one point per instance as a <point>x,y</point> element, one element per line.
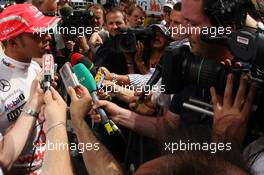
<point>181,68</point>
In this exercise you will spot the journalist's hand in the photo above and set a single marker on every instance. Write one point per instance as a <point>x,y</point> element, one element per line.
<point>231,115</point>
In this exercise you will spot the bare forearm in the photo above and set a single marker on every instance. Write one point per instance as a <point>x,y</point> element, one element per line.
<point>14,141</point>
<point>59,156</point>
<point>149,126</point>
<point>97,161</point>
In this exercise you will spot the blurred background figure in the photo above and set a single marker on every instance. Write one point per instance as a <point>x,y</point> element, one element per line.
<point>136,16</point>
<point>125,4</point>
<point>98,15</point>
<point>167,8</point>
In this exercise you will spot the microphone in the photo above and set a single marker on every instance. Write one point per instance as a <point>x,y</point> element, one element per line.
<point>79,58</point>
<point>152,81</point>
<point>48,71</point>
<point>68,76</point>
<point>86,79</point>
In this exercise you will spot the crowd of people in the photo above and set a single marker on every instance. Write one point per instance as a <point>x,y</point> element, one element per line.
<point>59,130</point>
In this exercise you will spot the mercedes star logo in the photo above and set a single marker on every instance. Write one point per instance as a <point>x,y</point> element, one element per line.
<point>4,85</point>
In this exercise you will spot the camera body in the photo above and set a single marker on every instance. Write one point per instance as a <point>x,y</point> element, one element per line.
<point>246,44</point>
<point>78,22</point>
<point>183,69</point>
<point>127,40</point>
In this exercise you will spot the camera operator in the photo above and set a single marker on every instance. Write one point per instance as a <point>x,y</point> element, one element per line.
<point>18,71</point>
<point>148,59</point>
<point>118,62</point>
<point>137,80</point>
<point>97,23</point>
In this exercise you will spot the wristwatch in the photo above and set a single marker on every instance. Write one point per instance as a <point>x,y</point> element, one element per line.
<point>30,112</point>
<point>114,77</point>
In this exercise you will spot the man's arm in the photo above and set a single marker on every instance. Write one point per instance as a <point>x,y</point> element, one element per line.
<point>150,126</point>
<point>14,141</point>
<point>98,160</point>
<point>118,79</point>
<point>56,160</point>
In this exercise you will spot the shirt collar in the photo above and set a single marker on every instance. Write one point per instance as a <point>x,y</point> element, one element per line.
<point>12,63</point>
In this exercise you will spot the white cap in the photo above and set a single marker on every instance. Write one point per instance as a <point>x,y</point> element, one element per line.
<point>170,3</point>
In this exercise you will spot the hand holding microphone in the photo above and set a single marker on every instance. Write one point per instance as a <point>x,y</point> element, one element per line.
<point>86,79</point>
<point>81,104</point>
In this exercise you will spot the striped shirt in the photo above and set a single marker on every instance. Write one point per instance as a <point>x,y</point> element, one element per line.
<point>138,80</point>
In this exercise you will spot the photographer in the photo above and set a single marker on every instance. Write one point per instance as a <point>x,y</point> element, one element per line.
<point>147,59</point>
<point>137,80</point>
<point>118,62</point>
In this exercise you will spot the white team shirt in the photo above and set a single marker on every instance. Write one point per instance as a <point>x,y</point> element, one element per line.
<point>15,82</point>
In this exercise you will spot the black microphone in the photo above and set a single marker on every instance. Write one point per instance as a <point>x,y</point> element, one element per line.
<point>152,81</point>
<point>79,58</point>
